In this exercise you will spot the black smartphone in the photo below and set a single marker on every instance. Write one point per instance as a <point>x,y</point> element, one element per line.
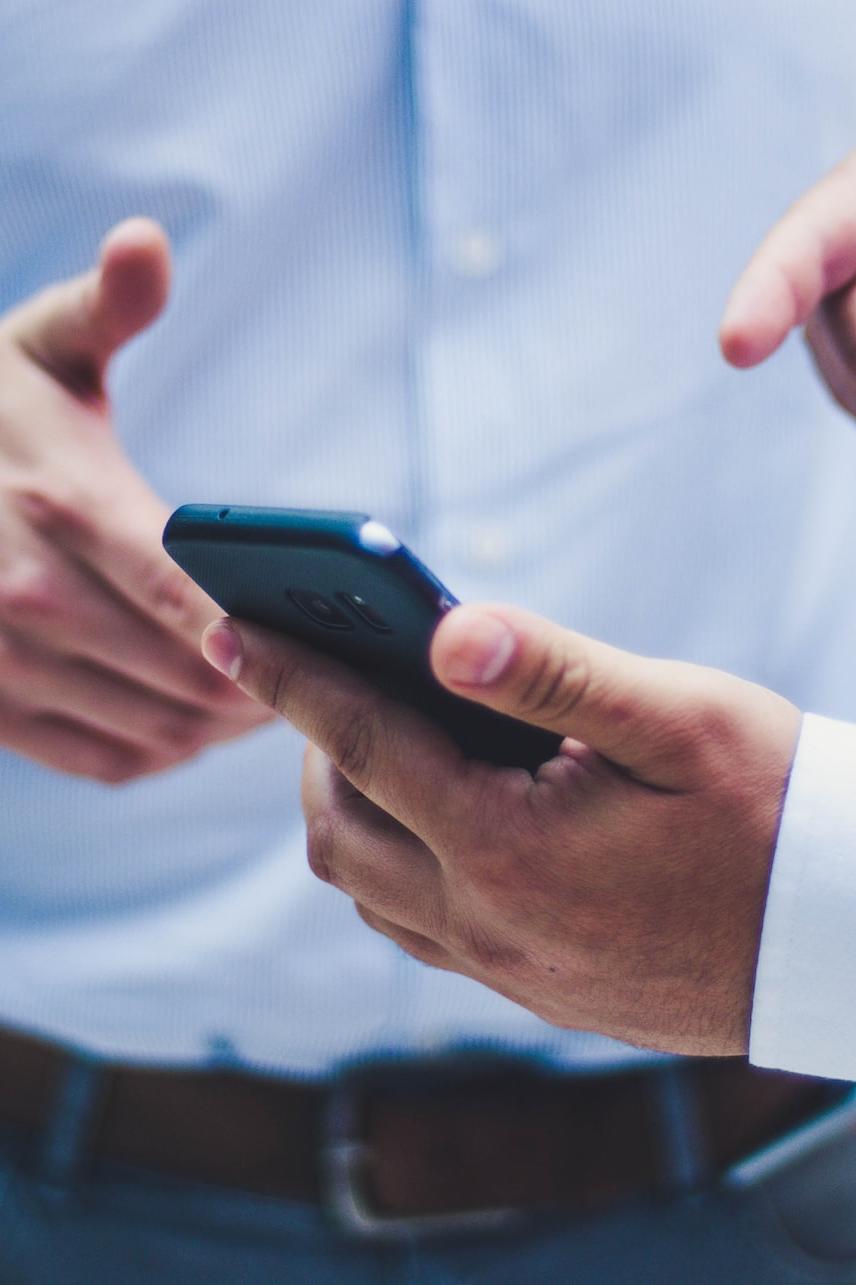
<point>344,584</point>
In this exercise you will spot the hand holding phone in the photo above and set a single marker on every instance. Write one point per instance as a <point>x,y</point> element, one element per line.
<point>344,584</point>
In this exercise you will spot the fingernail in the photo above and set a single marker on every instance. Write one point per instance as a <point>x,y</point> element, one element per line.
<point>221,647</point>
<point>481,652</point>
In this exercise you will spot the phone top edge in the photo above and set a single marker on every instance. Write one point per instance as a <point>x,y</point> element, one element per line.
<point>195,525</point>
<point>249,524</point>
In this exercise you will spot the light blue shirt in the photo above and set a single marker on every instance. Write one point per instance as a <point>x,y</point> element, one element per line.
<point>458,263</point>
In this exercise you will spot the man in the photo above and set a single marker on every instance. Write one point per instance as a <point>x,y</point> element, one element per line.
<point>458,265</point>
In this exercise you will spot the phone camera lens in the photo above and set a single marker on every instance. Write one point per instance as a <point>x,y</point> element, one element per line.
<point>320,609</point>
<point>366,612</point>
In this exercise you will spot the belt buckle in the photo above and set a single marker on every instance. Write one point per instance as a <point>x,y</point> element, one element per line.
<point>346,1159</point>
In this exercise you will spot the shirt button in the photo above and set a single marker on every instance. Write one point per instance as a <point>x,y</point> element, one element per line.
<point>476,253</point>
<point>489,545</point>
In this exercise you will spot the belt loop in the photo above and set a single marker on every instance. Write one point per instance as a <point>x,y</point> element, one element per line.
<point>70,1123</point>
<point>683,1145</point>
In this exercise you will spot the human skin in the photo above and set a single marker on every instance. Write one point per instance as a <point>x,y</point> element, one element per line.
<point>98,667</point>
<point>622,888</point>
<point>803,274</point>
<point>100,672</point>
<point>619,890</point>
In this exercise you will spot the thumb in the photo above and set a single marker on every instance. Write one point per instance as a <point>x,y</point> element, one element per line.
<point>73,329</point>
<point>635,711</point>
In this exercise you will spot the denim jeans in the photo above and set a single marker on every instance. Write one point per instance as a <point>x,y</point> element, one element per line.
<point>135,1230</point>
<point>61,1224</point>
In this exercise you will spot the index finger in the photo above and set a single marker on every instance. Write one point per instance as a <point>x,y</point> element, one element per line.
<point>809,254</point>
<point>393,755</point>
<point>120,544</point>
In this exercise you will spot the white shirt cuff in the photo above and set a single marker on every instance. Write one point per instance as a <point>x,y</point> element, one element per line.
<point>804,1009</point>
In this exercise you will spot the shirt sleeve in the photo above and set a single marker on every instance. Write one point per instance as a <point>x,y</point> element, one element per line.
<point>804,1008</point>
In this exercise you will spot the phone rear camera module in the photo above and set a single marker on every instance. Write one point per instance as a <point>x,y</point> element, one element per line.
<point>320,609</point>
<point>366,612</point>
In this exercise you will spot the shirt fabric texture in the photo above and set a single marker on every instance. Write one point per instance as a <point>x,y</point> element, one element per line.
<point>459,265</point>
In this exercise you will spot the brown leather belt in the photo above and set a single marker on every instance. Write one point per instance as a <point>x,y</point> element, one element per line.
<point>412,1143</point>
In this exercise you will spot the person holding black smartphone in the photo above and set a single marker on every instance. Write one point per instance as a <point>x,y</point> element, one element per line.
<point>458,266</point>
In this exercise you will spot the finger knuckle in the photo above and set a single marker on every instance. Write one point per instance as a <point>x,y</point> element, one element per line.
<point>118,774</point>
<point>149,762</point>
<point>55,512</point>
<point>113,767</point>
<point>355,748</point>
<point>422,949</point>
<point>320,847</point>
<point>714,725</point>
<point>556,686</point>
<point>368,917</point>
<point>171,593</point>
<point>704,734</point>
<point>274,685</point>
<point>486,950</point>
<point>30,590</point>
<point>184,733</point>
